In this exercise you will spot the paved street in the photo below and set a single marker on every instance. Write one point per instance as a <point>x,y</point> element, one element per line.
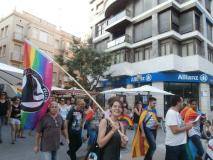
<point>23,149</point>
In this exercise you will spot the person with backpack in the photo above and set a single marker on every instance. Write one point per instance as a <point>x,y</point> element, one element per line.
<point>109,139</point>
<point>74,122</point>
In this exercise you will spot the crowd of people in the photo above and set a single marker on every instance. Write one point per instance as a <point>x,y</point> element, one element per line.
<point>72,121</point>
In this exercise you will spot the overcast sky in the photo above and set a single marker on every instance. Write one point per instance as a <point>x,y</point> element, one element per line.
<point>70,15</point>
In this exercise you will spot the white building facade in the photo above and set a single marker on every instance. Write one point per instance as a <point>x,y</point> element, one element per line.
<point>164,43</point>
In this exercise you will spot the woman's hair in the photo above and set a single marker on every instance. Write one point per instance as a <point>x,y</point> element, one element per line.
<point>138,102</point>
<point>113,100</point>
<point>15,98</point>
<point>80,101</point>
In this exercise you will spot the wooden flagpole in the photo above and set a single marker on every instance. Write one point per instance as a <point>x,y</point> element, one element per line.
<point>73,79</point>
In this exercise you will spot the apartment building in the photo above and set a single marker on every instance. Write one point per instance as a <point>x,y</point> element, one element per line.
<point>165,43</point>
<point>46,36</point>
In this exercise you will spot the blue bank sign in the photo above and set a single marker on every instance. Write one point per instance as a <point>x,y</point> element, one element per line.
<point>171,77</point>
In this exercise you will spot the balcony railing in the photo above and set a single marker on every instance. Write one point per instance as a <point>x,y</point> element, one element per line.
<point>120,40</point>
<point>125,13</point>
<point>18,37</point>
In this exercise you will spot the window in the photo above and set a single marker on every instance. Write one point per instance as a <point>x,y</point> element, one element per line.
<point>147,4</point>
<point>175,48</point>
<point>164,21</point>
<point>208,5</point>
<point>6,31</point>
<point>186,22</point>
<point>100,28</point>
<point>4,50</point>
<point>164,48</point>
<point>99,7</point>
<point>197,22</point>
<point>35,33</point>
<point>120,56</point>
<point>101,46</point>
<point>57,43</point>
<point>138,7</point>
<point>138,55</point>
<point>175,21</point>
<point>209,30</point>
<point>210,54</point>
<point>17,54</point>
<point>43,36</point>
<point>19,29</point>
<point>2,33</point>
<point>161,1</point>
<point>147,52</point>
<point>187,49</point>
<point>143,30</point>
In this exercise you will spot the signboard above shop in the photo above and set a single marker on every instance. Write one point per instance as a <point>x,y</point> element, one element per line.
<point>178,77</point>
<point>172,77</point>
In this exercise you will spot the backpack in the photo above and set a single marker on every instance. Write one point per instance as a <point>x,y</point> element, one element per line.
<point>94,152</point>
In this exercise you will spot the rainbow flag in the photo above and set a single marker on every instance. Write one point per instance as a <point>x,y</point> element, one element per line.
<point>36,86</point>
<point>126,120</point>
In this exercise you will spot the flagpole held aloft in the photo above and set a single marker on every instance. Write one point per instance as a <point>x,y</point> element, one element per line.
<point>74,80</point>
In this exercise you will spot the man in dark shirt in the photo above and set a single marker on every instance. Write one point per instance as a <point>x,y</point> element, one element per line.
<point>74,122</point>
<point>48,133</point>
<point>4,110</point>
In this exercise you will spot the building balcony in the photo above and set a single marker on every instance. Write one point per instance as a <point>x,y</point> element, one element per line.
<point>125,39</point>
<point>18,37</point>
<point>113,6</point>
<point>121,19</point>
<point>165,63</point>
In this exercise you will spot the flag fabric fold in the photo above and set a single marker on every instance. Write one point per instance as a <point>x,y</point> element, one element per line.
<point>140,144</point>
<point>124,118</point>
<point>36,86</point>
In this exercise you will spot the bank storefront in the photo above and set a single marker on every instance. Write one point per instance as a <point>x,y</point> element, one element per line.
<point>196,85</point>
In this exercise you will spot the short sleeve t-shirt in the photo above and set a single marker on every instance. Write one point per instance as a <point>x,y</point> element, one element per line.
<point>173,118</point>
<point>50,129</point>
<point>75,120</point>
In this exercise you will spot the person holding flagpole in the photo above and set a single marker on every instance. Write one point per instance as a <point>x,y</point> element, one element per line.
<point>109,139</point>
